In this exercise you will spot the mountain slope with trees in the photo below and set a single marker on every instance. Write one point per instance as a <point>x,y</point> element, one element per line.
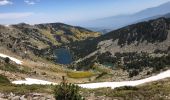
<point>40,40</point>
<point>145,45</point>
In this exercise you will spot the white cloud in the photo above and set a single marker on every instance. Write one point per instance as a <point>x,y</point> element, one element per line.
<point>5,2</point>
<point>31,2</point>
<point>15,15</point>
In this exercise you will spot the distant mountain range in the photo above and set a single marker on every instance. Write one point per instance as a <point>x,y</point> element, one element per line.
<point>115,22</point>
<point>100,30</point>
<point>155,17</point>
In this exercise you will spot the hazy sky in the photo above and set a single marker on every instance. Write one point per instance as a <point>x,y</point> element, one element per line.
<point>68,11</point>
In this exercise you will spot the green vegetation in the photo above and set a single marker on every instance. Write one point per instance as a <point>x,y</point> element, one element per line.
<point>86,64</point>
<point>153,91</point>
<point>7,87</point>
<point>23,89</point>
<point>14,68</point>
<point>132,62</point>
<point>9,67</point>
<point>126,88</point>
<point>85,74</point>
<point>7,60</point>
<point>67,91</point>
<point>4,80</point>
<point>50,36</point>
<point>101,74</point>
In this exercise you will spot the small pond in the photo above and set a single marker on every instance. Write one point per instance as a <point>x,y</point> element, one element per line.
<point>63,56</point>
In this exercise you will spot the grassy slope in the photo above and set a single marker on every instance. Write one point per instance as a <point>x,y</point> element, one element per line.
<point>152,91</point>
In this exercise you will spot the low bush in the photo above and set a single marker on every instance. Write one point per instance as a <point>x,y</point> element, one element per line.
<point>3,79</point>
<point>101,74</point>
<point>13,68</point>
<point>7,60</point>
<point>126,88</point>
<point>10,67</point>
<point>67,91</point>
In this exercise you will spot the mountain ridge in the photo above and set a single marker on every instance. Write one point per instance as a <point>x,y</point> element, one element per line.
<point>115,22</point>
<point>128,48</point>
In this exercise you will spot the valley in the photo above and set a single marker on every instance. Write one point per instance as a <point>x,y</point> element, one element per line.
<point>122,57</point>
<point>108,60</point>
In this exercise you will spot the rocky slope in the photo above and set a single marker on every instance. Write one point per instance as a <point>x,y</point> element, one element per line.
<point>146,33</point>
<point>138,46</point>
<point>40,40</point>
<point>65,33</point>
<point>34,45</point>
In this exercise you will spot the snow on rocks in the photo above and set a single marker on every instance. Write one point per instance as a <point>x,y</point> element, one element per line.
<point>11,58</point>
<point>113,85</point>
<point>30,81</point>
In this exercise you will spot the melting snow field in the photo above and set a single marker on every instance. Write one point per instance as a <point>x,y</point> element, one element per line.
<point>11,58</point>
<point>113,85</point>
<point>30,81</point>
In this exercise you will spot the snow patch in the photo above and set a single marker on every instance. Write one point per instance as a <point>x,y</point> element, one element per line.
<point>113,85</point>
<point>11,58</point>
<point>30,81</point>
<point>7,25</point>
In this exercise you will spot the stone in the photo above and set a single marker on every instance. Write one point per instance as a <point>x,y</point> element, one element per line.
<point>23,97</point>
<point>12,95</point>
<point>16,98</point>
<point>1,95</point>
<point>42,98</point>
<point>3,99</point>
<point>36,98</point>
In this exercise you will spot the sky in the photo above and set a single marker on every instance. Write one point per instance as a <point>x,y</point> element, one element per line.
<point>68,11</point>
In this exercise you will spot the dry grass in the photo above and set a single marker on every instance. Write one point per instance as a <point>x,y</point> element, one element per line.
<point>85,74</point>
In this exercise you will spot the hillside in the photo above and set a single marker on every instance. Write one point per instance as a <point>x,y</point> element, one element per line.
<point>138,51</point>
<point>40,40</point>
<point>34,46</point>
<point>65,33</point>
<point>84,49</point>
<point>134,48</point>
